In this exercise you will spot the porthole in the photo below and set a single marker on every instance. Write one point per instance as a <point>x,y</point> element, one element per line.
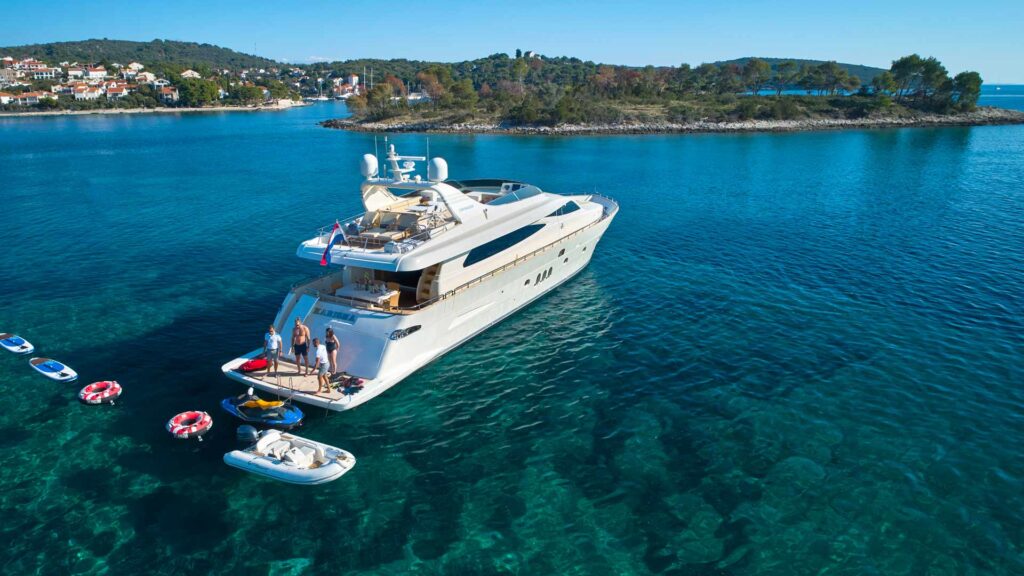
<point>561,252</point>
<point>527,282</point>
<point>550,270</point>
<point>538,279</point>
<point>566,261</point>
<point>584,248</point>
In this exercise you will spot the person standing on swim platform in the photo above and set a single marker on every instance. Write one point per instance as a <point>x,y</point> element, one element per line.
<point>323,381</point>
<point>272,348</point>
<point>332,344</point>
<point>300,345</point>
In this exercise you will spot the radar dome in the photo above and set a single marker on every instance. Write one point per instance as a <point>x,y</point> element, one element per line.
<point>368,166</point>
<point>437,170</point>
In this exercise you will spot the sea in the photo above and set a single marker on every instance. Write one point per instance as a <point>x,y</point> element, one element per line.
<point>791,354</point>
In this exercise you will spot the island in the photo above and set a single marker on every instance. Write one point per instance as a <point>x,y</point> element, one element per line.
<point>532,94</point>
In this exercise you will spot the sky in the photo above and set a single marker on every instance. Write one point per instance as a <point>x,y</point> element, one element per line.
<point>985,36</point>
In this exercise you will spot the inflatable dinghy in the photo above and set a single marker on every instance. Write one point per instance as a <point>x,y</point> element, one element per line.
<point>16,344</point>
<point>289,458</point>
<point>53,370</point>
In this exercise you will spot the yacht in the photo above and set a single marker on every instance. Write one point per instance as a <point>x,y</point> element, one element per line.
<point>429,264</point>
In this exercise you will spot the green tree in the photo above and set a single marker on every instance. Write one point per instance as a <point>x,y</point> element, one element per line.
<point>884,83</point>
<point>966,89</point>
<point>729,79</point>
<point>464,96</point>
<point>934,78</point>
<point>851,84</point>
<point>195,92</point>
<point>247,94</point>
<point>785,74</point>
<point>907,73</point>
<point>756,74</point>
<point>519,70</point>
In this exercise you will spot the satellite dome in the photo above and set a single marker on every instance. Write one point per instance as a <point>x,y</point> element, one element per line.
<point>437,170</point>
<point>368,166</point>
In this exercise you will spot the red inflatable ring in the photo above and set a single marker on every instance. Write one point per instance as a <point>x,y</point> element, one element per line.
<point>100,392</point>
<point>191,424</point>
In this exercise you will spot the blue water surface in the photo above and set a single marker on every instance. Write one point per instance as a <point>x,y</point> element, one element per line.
<point>792,354</point>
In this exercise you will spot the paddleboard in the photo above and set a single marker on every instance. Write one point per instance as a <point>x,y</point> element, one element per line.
<point>53,370</point>
<point>16,344</point>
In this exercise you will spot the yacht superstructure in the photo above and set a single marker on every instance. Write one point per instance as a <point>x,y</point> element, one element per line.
<point>429,264</point>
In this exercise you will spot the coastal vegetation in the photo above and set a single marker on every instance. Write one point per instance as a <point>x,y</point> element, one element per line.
<point>532,91</point>
<point>170,52</point>
<point>96,75</point>
<point>524,89</point>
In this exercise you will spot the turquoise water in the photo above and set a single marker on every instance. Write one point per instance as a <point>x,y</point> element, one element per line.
<point>791,354</point>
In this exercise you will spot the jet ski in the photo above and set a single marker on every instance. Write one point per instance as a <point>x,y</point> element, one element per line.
<point>252,409</point>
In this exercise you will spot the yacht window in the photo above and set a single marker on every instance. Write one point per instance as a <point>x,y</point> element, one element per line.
<point>538,279</point>
<point>485,251</point>
<point>567,208</point>
<point>516,196</point>
<point>527,282</point>
<point>562,251</point>
<point>550,270</point>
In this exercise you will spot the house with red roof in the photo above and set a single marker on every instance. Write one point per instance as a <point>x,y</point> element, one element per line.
<point>31,98</point>
<point>168,94</point>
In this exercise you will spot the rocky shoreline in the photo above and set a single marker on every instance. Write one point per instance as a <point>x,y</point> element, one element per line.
<point>983,116</point>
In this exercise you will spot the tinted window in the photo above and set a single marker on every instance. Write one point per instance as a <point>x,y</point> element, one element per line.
<point>485,251</point>
<point>568,208</point>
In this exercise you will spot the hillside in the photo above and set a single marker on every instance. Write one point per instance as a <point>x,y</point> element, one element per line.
<point>149,53</point>
<point>865,73</point>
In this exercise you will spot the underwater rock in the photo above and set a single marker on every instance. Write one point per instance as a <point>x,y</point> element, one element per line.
<point>697,543</point>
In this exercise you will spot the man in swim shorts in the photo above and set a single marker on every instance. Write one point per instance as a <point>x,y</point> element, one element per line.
<point>300,345</point>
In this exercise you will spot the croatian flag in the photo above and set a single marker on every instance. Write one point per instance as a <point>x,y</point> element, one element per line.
<point>336,235</point>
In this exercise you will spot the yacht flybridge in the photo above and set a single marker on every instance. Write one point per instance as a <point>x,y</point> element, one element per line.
<point>429,264</point>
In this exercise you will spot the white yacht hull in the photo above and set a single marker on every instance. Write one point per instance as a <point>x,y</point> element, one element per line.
<point>444,325</point>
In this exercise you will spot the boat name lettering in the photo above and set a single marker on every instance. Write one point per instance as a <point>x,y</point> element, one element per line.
<point>342,316</point>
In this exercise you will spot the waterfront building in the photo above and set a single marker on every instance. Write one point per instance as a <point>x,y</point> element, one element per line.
<point>168,94</point>
<point>32,98</point>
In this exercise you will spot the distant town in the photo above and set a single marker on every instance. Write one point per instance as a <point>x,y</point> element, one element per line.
<point>29,84</point>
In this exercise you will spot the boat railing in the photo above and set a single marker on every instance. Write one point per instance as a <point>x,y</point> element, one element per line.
<point>434,226</point>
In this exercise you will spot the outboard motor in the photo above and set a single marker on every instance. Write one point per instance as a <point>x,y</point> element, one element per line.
<point>248,434</point>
